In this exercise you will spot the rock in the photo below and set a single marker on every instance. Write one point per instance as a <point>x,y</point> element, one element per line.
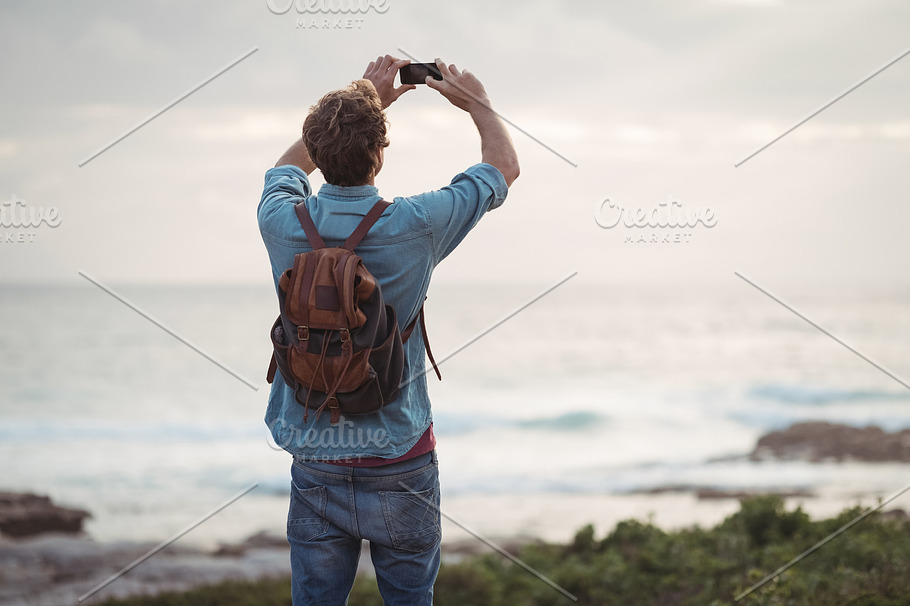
<point>898,515</point>
<point>59,569</point>
<point>471,547</point>
<point>265,539</point>
<point>711,494</point>
<point>227,550</point>
<point>260,540</point>
<point>715,494</point>
<point>819,441</point>
<point>34,565</point>
<point>24,514</point>
<point>666,489</point>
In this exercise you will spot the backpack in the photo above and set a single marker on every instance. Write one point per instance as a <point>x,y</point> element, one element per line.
<point>335,342</point>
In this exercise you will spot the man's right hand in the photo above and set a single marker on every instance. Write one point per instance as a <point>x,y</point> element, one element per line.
<point>461,88</point>
<point>381,73</point>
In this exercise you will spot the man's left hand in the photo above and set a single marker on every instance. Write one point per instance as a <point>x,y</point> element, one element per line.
<point>381,73</point>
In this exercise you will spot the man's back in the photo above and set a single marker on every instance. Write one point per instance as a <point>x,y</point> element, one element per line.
<point>401,250</point>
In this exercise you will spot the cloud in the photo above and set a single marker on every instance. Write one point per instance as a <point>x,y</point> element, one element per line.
<point>895,130</point>
<point>8,148</point>
<point>647,97</point>
<point>241,124</point>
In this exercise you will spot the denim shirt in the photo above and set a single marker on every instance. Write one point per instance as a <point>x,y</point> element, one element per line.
<point>411,237</point>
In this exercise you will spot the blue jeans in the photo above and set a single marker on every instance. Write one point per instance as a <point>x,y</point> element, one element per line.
<point>334,508</point>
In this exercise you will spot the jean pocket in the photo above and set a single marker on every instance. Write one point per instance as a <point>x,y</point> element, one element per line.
<point>412,519</point>
<point>306,516</point>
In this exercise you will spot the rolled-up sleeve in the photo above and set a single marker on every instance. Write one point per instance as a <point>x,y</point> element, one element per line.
<point>286,184</point>
<point>456,208</point>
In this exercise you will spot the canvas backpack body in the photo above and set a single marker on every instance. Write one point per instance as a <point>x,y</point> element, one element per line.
<point>336,342</point>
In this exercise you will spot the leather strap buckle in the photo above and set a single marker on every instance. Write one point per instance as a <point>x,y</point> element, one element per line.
<point>303,333</point>
<point>335,410</point>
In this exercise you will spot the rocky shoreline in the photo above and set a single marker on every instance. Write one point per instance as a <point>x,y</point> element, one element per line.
<point>25,514</point>
<point>45,558</point>
<point>55,565</point>
<point>55,568</point>
<point>821,441</point>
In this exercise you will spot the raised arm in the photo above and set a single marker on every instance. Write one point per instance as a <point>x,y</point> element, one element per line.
<point>298,156</point>
<point>465,91</point>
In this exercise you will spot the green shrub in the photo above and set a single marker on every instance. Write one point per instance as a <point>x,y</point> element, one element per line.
<point>639,564</point>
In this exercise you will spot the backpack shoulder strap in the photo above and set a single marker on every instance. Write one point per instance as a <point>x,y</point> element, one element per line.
<point>368,221</point>
<point>406,334</point>
<point>309,228</point>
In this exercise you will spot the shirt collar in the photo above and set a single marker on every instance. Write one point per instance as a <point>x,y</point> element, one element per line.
<point>353,193</point>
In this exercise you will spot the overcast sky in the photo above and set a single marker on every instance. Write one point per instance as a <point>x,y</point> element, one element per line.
<point>653,101</point>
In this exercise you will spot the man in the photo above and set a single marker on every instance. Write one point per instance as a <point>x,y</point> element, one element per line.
<point>374,476</point>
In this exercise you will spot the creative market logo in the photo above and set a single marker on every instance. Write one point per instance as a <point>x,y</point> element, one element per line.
<point>674,223</point>
<point>328,14</point>
<point>19,220</point>
<point>344,435</point>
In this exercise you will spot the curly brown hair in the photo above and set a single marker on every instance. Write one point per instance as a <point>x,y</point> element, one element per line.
<point>343,133</point>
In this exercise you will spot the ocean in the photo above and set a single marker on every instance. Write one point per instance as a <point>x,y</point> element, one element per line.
<point>591,393</point>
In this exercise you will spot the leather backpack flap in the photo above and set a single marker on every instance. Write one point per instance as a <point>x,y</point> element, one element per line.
<point>322,296</point>
<point>295,304</point>
<point>364,290</point>
<point>321,290</point>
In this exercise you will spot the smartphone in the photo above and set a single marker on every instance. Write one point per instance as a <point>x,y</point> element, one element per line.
<point>416,73</point>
